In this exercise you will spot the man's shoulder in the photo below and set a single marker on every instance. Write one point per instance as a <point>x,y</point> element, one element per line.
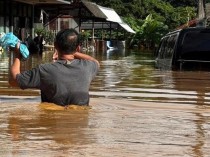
<point>47,66</point>
<point>87,61</point>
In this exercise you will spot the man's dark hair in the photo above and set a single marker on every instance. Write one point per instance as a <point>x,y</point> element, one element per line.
<point>67,41</point>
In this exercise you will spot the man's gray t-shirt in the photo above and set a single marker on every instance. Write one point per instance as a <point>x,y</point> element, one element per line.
<point>62,82</point>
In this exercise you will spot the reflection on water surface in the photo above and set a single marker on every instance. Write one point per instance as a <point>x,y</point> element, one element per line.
<point>136,110</point>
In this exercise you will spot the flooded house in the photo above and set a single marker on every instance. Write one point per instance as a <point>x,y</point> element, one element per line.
<point>23,17</point>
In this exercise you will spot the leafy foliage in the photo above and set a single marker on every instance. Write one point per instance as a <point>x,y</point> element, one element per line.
<point>149,33</point>
<point>48,35</point>
<point>179,3</point>
<point>151,19</point>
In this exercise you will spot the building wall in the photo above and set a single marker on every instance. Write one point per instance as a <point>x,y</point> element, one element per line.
<point>63,23</point>
<point>22,19</point>
<point>15,17</point>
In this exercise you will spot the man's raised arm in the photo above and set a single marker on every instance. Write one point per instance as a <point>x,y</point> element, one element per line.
<point>79,55</point>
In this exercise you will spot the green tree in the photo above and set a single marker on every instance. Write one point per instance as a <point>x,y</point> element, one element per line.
<point>168,14</point>
<point>149,34</point>
<point>184,3</point>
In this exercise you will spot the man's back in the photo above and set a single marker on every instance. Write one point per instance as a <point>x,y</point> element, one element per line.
<point>59,82</point>
<point>63,82</point>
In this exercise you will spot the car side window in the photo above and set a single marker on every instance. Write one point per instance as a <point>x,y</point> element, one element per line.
<point>163,48</point>
<point>171,46</point>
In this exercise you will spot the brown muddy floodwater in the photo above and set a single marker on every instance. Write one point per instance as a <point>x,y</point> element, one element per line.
<point>135,111</point>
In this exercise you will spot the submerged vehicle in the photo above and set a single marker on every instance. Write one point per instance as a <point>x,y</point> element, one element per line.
<point>187,48</point>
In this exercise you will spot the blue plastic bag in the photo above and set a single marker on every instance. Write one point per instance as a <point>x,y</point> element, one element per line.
<point>10,40</point>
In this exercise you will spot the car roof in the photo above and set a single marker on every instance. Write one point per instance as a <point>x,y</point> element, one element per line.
<point>187,30</point>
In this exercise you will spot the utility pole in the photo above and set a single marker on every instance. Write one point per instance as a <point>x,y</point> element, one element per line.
<point>207,11</point>
<point>201,13</point>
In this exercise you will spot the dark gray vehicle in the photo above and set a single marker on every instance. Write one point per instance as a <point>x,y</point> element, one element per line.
<point>186,49</point>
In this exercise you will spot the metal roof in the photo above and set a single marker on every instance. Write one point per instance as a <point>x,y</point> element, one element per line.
<point>94,9</point>
<point>108,14</point>
<point>105,17</point>
<point>45,1</point>
<point>112,16</point>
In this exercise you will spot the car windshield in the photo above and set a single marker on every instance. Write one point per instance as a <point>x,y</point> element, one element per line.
<point>196,45</point>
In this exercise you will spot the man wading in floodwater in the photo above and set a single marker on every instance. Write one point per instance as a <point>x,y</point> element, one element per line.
<point>67,80</point>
